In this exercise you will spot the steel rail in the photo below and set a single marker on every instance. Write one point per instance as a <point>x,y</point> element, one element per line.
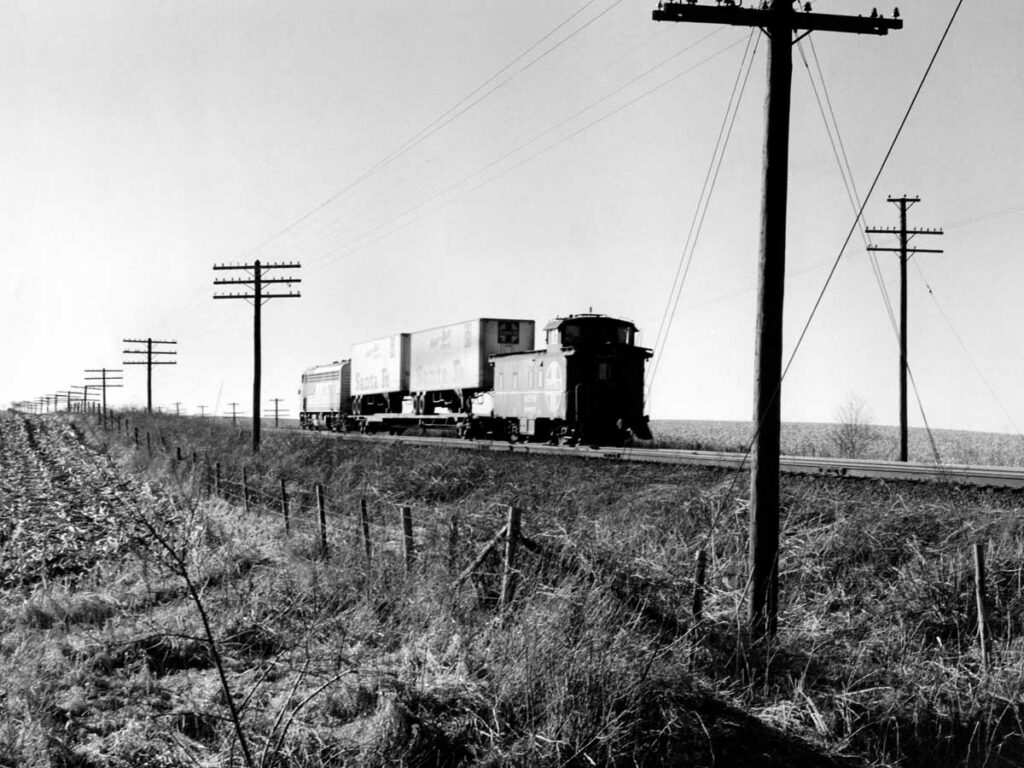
<point>951,474</point>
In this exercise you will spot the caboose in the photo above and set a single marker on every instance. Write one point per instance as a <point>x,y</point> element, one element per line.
<point>585,386</point>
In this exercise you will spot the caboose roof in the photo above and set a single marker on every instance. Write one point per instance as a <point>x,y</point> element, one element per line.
<point>558,322</point>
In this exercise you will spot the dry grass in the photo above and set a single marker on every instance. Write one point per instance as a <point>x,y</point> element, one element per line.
<point>597,662</point>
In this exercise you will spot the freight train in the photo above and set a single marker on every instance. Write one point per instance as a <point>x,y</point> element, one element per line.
<point>484,378</point>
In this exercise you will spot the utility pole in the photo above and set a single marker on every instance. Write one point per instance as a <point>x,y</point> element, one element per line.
<point>234,414</point>
<point>258,297</point>
<point>904,251</point>
<point>149,362</point>
<point>276,410</point>
<point>177,409</point>
<point>780,22</point>
<point>66,393</point>
<point>109,378</point>
<point>202,410</point>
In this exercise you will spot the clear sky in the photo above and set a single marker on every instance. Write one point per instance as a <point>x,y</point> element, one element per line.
<point>141,143</point>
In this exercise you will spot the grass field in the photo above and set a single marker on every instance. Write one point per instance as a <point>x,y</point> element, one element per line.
<point>879,442</point>
<point>331,660</point>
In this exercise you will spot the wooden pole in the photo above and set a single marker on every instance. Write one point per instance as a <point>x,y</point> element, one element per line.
<point>216,479</point>
<point>979,599</point>
<point>453,540</point>
<point>284,508</point>
<point>322,512</point>
<point>364,518</point>
<point>410,553</point>
<point>508,577</point>
<point>245,490</point>
<point>698,587</point>
<point>763,594</point>
<point>257,356</point>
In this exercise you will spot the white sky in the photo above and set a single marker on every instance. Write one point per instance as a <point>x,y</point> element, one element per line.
<point>143,142</point>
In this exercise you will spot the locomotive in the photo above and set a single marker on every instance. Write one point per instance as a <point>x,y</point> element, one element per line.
<point>484,378</point>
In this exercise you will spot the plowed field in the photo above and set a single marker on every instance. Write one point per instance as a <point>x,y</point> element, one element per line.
<point>62,506</point>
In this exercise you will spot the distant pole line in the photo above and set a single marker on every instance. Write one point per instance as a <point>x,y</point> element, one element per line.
<point>109,378</point>
<point>177,409</point>
<point>234,414</point>
<point>202,410</point>
<point>149,362</point>
<point>905,251</point>
<point>257,296</point>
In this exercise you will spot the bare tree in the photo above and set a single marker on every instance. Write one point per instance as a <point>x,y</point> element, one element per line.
<point>853,434</point>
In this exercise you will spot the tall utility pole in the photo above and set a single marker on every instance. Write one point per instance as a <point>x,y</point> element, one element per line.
<point>202,410</point>
<point>276,411</point>
<point>149,362</point>
<point>780,22</point>
<point>177,409</point>
<point>109,378</point>
<point>234,414</point>
<point>258,297</point>
<point>904,251</point>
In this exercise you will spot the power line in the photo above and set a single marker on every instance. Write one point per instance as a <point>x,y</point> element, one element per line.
<point>703,202</point>
<point>445,118</point>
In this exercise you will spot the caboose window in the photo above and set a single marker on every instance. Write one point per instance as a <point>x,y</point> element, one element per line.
<point>604,371</point>
<point>625,335</point>
<point>515,379</point>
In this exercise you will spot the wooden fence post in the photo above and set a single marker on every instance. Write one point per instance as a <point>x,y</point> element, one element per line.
<point>216,479</point>
<point>284,508</point>
<point>410,553</point>
<point>136,437</point>
<point>453,539</point>
<point>149,444</point>
<point>979,598</point>
<point>323,517</point>
<point>245,490</point>
<point>698,587</point>
<point>177,453</point>
<point>508,577</point>
<point>364,518</point>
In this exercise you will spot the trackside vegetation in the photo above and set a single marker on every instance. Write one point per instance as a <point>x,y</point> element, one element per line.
<point>153,613</point>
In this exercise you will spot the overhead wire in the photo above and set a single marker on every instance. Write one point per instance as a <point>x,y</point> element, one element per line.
<point>452,113</point>
<point>967,352</point>
<point>701,209</point>
<point>534,139</point>
<point>395,227</point>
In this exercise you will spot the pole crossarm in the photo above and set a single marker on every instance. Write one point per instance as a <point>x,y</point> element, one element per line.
<point>264,281</point>
<point>767,18</point>
<point>905,250</point>
<point>147,341</point>
<point>261,265</point>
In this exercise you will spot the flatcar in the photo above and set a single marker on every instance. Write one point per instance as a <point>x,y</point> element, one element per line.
<point>485,378</point>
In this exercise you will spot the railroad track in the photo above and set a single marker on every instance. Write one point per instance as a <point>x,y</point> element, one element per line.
<point>953,474</point>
